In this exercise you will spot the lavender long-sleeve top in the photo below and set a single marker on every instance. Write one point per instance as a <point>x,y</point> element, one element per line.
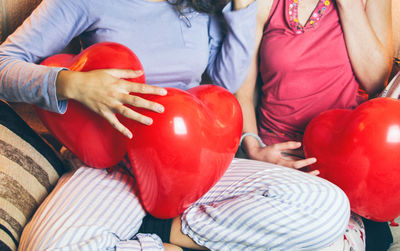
<point>174,49</point>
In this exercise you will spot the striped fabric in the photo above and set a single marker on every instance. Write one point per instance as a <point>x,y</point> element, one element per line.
<point>29,169</point>
<point>260,206</point>
<point>90,209</point>
<point>255,206</point>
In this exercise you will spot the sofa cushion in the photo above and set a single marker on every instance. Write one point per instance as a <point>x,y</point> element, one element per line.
<point>29,168</point>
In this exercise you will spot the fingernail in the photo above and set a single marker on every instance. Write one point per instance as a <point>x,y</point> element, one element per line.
<point>129,135</point>
<point>148,121</point>
<point>160,108</point>
<point>314,160</point>
<point>139,72</point>
<point>163,92</point>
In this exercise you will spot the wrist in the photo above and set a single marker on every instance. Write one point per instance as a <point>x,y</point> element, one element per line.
<point>63,84</point>
<point>251,142</point>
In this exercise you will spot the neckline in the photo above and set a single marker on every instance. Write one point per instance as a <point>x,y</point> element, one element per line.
<point>313,20</point>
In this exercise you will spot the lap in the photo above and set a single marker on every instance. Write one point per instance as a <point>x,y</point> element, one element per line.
<point>88,208</point>
<point>249,176</point>
<point>253,204</point>
<point>257,205</point>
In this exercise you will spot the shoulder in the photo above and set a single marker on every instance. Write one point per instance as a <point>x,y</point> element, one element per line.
<point>378,7</point>
<point>61,3</point>
<point>66,6</point>
<point>379,2</point>
<point>264,10</point>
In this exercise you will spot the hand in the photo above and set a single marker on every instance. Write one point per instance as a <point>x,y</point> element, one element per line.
<point>286,154</point>
<point>105,92</point>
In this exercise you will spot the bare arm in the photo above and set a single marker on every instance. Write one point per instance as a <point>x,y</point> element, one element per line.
<point>368,36</point>
<point>245,96</point>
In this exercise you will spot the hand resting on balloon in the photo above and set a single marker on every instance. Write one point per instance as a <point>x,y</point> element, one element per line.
<point>105,92</point>
<point>286,154</point>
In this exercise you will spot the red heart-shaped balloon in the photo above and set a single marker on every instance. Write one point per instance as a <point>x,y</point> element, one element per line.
<point>176,159</point>
<point>187,148</point>
<point>86,134</point>
<point>359,151</point>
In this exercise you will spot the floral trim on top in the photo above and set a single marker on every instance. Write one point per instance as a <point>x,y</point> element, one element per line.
<point>312,21</point>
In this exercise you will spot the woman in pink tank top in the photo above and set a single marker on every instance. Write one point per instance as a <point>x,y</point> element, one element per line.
<point>314,55</point>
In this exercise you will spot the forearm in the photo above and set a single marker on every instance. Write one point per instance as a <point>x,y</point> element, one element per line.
<point>46,32</point>
<point>247,93</point>
<point>245,96</point>
<point>368,40</point>
<point>29,83</point>
<point>249,126</point>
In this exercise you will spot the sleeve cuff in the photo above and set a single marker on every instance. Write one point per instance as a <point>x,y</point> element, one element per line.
<point>141,242</point>
<point>150,242</point>
<point>59,106</point>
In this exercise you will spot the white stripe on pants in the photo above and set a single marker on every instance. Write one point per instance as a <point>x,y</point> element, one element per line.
<point>255,206</point>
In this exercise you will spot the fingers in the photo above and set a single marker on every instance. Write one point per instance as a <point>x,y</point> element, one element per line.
<point>289,145</point>
<point>127,112</point>
<point>112,119</point>
<point>141,103</point>
<point>135,87</point>
<point>106,91</point>
<point>131,114</point>
<point>145,89</point>
<point>298,164</point>
<point>124,73</point>
<point>304,162</point>
<point>314,172</point>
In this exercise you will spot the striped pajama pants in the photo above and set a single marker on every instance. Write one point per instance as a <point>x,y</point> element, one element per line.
<point>254,206</point>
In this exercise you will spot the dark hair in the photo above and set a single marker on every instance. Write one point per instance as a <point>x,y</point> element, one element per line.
<point>206,6</point>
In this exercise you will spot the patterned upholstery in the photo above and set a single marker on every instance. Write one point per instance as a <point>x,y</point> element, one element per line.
<point>29,168</point>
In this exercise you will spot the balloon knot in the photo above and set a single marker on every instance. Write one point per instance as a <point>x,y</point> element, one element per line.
<point>394,224</point>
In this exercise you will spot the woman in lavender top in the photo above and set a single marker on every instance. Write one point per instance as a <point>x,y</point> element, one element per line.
<point>175,43</point>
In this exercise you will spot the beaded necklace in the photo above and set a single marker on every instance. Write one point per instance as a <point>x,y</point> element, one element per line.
<point>316,15</point>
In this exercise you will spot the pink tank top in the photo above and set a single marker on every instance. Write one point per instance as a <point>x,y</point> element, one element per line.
<point>305,70</point>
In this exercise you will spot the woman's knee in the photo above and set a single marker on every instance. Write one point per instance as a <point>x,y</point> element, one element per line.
<point>320,209</point>
<point>334,214</point>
